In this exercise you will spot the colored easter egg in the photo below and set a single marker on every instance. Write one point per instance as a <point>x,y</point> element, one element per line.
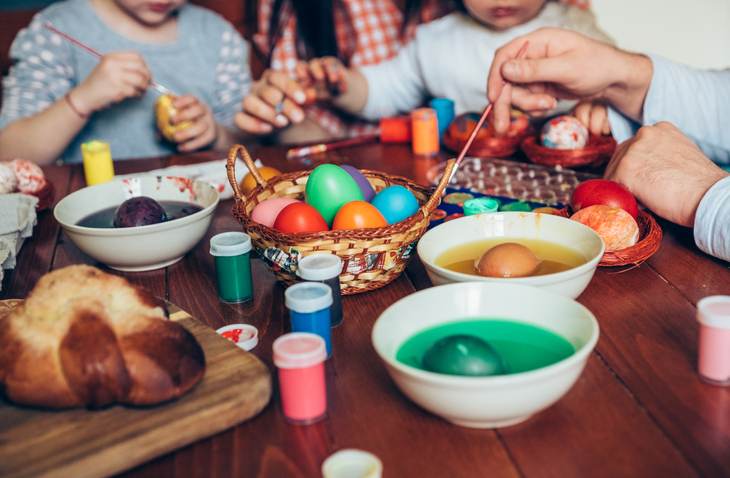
<point>463,355</point>
<point>615,226</point>
<point>564,132</point>
<point>367,190</point>
<point>606,192</point>
<point>395,203</point>
<point>248,183</point>
<point>299,217</point>
<point>266,211</point>
<point>330,187</point>
<point>358,215</point>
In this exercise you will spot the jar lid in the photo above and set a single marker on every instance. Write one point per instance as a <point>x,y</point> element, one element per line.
<point>352,463</point>
<point>245,336</point>
<point>228,244</point>
<point>714,311</point>
<point>307,297</point>
<point>299,350</point>
<point>319,266</point>
<point>480,206</point>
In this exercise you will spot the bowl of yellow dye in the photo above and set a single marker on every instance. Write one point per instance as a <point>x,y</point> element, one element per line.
<point>543,341</point>
<point>569,252</point>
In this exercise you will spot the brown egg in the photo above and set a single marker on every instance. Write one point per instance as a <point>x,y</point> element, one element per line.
<point>508,260</point>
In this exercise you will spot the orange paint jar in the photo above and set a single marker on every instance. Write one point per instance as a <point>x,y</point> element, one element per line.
<point>425,130</point>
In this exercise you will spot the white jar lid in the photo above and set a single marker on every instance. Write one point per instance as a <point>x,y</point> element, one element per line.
<point>248,335</point>
<point>320,266</point>
<point>227,244</point>
<point>714,311</point>
<point>299,350</point>
<point>308,297</point>
<point>352,463</point>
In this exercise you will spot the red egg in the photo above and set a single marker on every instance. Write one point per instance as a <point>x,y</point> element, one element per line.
<point>603,191</point>
<point>615,226</point>
<point>358,215</point>
<point>299,217</point>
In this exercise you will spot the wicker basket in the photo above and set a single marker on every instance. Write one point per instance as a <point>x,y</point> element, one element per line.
<point>372,257</point>
<point>598,151</point>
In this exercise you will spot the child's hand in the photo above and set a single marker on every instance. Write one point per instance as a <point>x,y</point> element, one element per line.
<point>594,116</point>
<point>324,78</point>
<point>274,102</point>
<point>203,129</point>
<point>116,77</point>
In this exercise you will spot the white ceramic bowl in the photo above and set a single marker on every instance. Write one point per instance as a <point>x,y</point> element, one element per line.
<point>485,402</point>
<point>515,225</point>
<point>145,247</point>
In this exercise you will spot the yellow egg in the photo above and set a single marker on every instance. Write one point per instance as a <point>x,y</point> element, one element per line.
<point>508,260</point>
<point>164,112</point>
<point>248,182</point>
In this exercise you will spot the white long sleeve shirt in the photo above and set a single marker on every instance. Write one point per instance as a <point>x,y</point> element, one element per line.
<point>698,103</point>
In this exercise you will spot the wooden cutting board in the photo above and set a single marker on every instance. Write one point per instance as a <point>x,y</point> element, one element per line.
<point>82,443</point>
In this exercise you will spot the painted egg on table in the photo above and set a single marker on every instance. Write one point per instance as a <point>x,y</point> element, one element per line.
<point>358,215</point>
<point>367,190</point>
<point>248,183</point>
<point>29,175</point>
<point>615,226</point>
<point>8,181</point>
<point>299,217</point>
<point>463,355</point>
<point>564,132</point>
<point>266,211</point>
<point>395,203</point>
<point>330,187</point>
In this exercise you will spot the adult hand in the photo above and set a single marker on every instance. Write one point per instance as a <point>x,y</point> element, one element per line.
<point>594,116</point>
<point>202,130</point>
<point>560,64</point>
<point>116,77</point>
<point>273,102</point>
<point>665,170</point>
<point>325,78</point>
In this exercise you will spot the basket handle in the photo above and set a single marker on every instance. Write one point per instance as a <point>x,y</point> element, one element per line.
<point>435,198</point>
<point>234,153</point>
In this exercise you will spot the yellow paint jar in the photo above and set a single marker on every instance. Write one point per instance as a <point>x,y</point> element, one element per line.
<point>98,165</point>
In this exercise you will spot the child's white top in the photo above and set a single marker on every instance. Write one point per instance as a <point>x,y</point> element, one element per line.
<point>450,57</point>
<point>209,59</point>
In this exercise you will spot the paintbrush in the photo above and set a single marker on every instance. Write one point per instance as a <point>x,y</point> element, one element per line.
<point>302,151</point>
<point>156,86</point>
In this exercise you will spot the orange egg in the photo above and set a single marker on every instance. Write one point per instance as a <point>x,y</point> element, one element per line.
<point>248,182</point>
<point>358,215</point>
<point>508,260</point>
<point>615,226</point>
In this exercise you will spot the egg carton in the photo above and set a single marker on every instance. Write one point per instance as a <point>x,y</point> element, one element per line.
<point>523,181</point>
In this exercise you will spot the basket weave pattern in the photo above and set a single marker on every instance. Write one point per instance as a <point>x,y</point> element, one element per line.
<point>598,151</point>
<point>372,257</point>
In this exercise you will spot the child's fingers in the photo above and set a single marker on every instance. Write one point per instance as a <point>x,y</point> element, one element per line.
<point>206,137</point>
<point>335,75</point>
<point>317,70</point>
<point>606,130</point>
<point>258,108</point>
<point>193,131</point>
<point>192,112</point>
<point>249,124</point>
<point>598,118</point>
<point>301,70</point>
<point>582,111</point>
<point>282,105</point>
<point>287,86</point>
<point>292,111</point>
<point>135,81</point>
<point>184,101</point>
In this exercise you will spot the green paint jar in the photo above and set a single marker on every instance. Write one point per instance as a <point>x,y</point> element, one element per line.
<point>480,206</point>
<point>232,252</point>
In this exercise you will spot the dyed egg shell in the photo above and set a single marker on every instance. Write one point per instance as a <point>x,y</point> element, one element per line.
<point>564,132</point>
<point>463,355</point>
<point>248,183</point>
<point>615,226</point>
<point>8,181</point>
<point>330,187</point>
<point>139,211</point>
<point>395,203</point>
<point>266,212</point>
<point>358,215</point>
<point>508,260</point>
<point>299,217</point>
<point>367,190</point>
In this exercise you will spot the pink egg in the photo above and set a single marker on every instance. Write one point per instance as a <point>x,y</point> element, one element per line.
<point>266,211</point>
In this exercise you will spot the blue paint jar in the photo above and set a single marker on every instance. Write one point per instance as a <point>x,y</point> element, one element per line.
<point>309,306</point>
<point>325,268</point>
<point>444,113</point>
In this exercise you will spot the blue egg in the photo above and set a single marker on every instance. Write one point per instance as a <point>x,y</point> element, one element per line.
<point>395,203</point>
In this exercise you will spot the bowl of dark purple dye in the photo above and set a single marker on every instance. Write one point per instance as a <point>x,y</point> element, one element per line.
<point>139,223</point>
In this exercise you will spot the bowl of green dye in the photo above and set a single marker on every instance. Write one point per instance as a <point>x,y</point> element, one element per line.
<point>543,341</point>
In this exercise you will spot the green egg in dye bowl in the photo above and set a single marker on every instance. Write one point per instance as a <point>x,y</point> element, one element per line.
<point>501,314</point>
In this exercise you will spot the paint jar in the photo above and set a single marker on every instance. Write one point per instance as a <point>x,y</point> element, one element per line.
<point>713,362</point>
<point>352,463</point>
<point>98,165</point>
<point>480,206</point>
<point>309,306</point>
<point>395,130</point>
<point>444,108</point>
<point>299,358</point>
<point>324,268</point>
<point>232,252</point>
<point>424,126</point>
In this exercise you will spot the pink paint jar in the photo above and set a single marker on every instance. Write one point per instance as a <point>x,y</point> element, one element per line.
<point>713,362</point>
<point>300,357</point>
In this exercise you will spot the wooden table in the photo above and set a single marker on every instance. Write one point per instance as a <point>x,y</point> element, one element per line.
<point>639,409</point>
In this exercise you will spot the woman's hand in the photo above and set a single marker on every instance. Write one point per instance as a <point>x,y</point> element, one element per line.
<point>275,101</point>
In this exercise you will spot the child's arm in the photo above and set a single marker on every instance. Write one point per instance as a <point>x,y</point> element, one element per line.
<point>594,116</point>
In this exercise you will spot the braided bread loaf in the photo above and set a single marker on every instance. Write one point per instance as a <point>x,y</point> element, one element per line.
<point>87,338</point>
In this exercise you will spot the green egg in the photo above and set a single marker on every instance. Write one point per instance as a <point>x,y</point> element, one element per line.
<point>518,206</point>
<point>330,187</point>
<point>463,355</point>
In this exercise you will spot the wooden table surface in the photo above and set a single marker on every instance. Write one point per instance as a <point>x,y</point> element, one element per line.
<point>639,409</point>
